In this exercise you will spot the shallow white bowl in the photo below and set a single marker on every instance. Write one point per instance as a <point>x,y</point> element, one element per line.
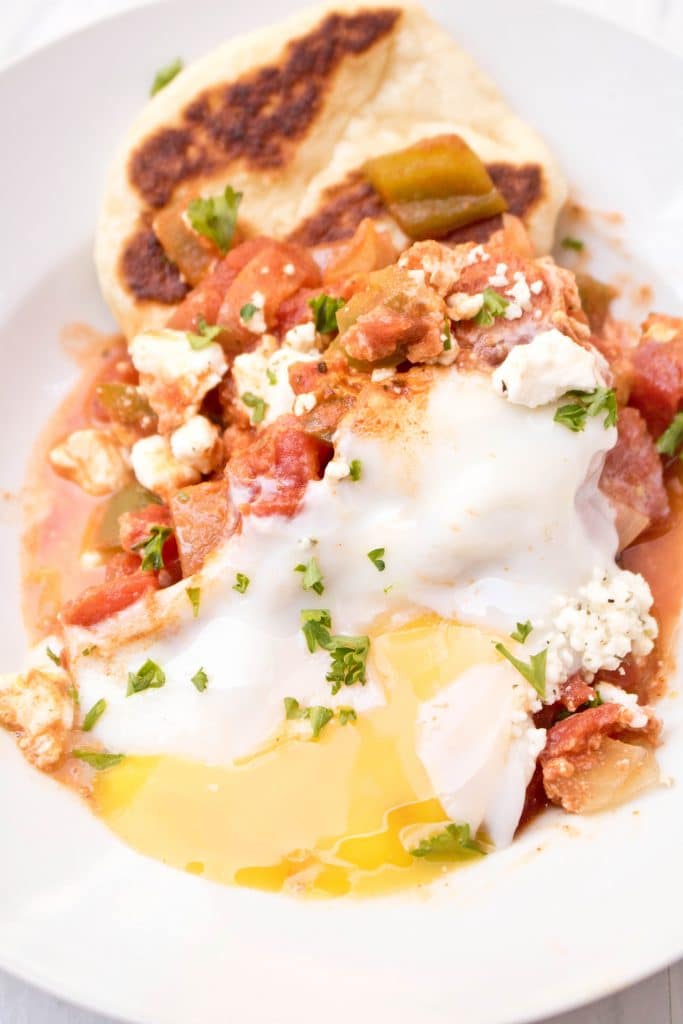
<point>575,908</point>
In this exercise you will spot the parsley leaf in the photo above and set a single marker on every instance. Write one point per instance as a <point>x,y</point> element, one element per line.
<point>319,716</point>
<point>247,311</point>
<point>494,306</point>
<point>293,709</point>
<point>94,715</point>
<point>447,336</point>
<point>349,656</point>
<point>572,243</point>
<point>313,578</point>
<point>347,715</point>
<point>241,583</point>
<point>53,657</point>
<point>315,625</point>
<point>588,403</point>
<point>672,438</point>
<point>194,596</point>
<point>594,702</point>
<point>271,375</point>
<point>200,680</point>
<point>165,75</point>
<point>98,759</point>
<point>376,556</point>
<point>216,217</point>
<point>152,548</point>
<point>256,403</point>
<point>206,333</point>
<point>534,672</point>
<point>325,309</point>
<point>355,469</point>
<point>454,843</point>
<point>522,631</point>
<point>148,676</point>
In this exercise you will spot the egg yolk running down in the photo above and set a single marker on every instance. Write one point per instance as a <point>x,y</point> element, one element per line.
<point>327,816</point>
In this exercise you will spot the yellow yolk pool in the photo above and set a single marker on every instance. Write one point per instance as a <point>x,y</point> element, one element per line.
<point>324,817</point>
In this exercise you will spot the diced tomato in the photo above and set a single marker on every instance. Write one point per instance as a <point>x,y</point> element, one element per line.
<point>99,602</point>
<point>202,517</point>
<point>123,563</point>
<point>205,300</point>
<point>575,691</point>
<point>277,271</point>
<point>657,388</point>
<point>632,476</point>
<point>285,456</point>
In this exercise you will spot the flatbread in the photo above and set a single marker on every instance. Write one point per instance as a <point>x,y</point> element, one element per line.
<point>288,115</point>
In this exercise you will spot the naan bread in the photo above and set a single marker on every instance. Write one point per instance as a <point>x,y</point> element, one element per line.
<point>288,115</point>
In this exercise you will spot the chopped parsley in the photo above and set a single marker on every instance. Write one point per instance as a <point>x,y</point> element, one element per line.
<point>594,702</point>
<point>572,243</point>
<point>585,404</point>
<point>149,676</point>
<point>194,596</point>
<point>94,715</point>
<point>98,759</point>
<point>313,578</point>
<point>271,375</point>
<point>53,657</point>
<point>453,843</point>
<point>494,306</point>
<point>256,403</point>
<point>348,653</point>
<point>522,631</point>
<point>317,715</point>
<point>215,218</point>
<point>447,336</point>
<point>325,308</point>
<point>152,548</point>
<point>347,715</point>
<point>248,311</point>
<point>165,75</point>
<point>376,556</point>
<point>206,333</point>
<point>293,709</point>
<point>73,693</point>
<point>533,672</point>
<point>671,440</point>
<point>87,651</point>
<point>355,469</point>
<point>241,583</point>
<point>200,680</point>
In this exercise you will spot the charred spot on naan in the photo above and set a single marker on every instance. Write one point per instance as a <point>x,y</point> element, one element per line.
<point>344,206</point>
<point>147,271</point>
<point>258,118</point>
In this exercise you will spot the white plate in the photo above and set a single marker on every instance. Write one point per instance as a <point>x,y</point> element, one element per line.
<point>573,910</point>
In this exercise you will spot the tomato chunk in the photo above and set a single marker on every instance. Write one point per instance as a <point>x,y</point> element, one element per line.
<point>202,518</point>
<point>105,599</point>
<point>657,388</point>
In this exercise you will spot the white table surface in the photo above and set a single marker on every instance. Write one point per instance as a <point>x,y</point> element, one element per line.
<point>25,24</point>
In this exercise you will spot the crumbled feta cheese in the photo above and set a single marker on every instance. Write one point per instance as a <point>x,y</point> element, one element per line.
<point>174,376</point>
<point>606,620</point>
<point>417,275</point>
<point>256,323</point>
<point>463,306</point>
<point>337,469</point>
<point>301,337</point>
<point>197,444</point>
<point>536,287</point>
<point>512,311</point>
<point>156,467</point>
<point>93,460</point>
<point>265,372</point>
<point>520,292</point>
<point>477,255</point>
<point>37,705</point>
<point>611,694</point>
<point>381,373</point>
<point>499,279</point>
<point>289,269</point>
<point>545,369</point>
<point>304,403</point>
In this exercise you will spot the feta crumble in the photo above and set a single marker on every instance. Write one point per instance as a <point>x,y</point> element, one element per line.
<point>92,459</point>
<point>337,469</point>
<point>477,255</point>
<point>196,444</point>
<point>611,694</point>
<point>157,468</point>
<point>256,323</point>
<point>381,373</point>
<point>463,306</point>
<point>301,337</point>
<point>545,369</point>
<point>265,372</point>
<point>304,403</point>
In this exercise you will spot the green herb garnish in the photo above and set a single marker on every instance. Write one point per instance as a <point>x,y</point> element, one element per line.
<point>152,548</point>
<point>347,715</point>
<point>454,843</point>
<point>376,556</point>
<point>149,676</point>
<point>533,672</point>
<point>355,469</point>
<point>447,336</point>
<point>325,308</point>
<point>98,759</point>
<point>256,403</point>
<point>215,218</point>
<point>319,716</point>
<point>94,715</point>
<point>348,653</point>
<point>313,578</point>
<point>522,631</point>
<point>248,311</point>
<point>271,375</point>
<point>194,596</point>
<point>53,657</point>
<point>241,583</point>
<point>200,680</point>
<point>671,440</point>
<point>315,625</point>
<point>572,243</point>
<point>206,333</point>
<point>585,404</point>
<point>494,306</point>
<point>165,75</point>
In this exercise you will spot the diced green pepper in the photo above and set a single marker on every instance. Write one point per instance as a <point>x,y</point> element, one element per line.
<point>105,535</point>
<point>596,298</point>
<point>435,186</point>
<point>125,403</point>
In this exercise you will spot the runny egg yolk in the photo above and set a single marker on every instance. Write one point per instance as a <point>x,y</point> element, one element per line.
<point>326,817</point>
